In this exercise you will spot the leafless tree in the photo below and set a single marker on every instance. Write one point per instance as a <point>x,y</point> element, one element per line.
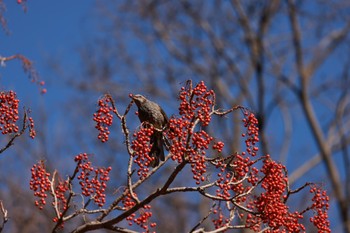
<point>286,60</point>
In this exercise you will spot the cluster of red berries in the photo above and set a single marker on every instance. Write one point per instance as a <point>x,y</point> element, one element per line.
<point>320,206</point>
<point>227,183</point>
<point>40,183</point>
<point>218,146</point>
<point>103,118</point>
<point>179,131</point>
<point>32,132</point>
<point>142,147</point>
<point>223,181</point>
<point>241,166</point>
<point>60,191</point>
<point>93,181</point>
<point>197,102</point>
<point>201,140</point>
<point>8,112</point>
<point>128,203</point>
<point>270,205</point>
<point>197,159</point>
<point>231,181</point>
<point>144,214</point>
<point>93,186</point>
<point>220,220</point>
<point>252,135</point>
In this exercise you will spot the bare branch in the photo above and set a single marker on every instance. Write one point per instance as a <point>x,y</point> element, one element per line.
<point>16,135</point>
<point>203,219</point>
<point>310,115</point>
<point>4,216</point>
<point>53,193</point>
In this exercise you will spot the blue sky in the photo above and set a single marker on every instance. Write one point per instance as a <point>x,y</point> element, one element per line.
<point>47,30</point>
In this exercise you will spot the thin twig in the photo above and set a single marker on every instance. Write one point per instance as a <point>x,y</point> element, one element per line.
<point>4,216</point>
<point>203,219</point>
<point>24,127</point>
<point>61,217</point>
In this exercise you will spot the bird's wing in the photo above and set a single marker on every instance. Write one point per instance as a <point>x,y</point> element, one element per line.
<point>165,116</point>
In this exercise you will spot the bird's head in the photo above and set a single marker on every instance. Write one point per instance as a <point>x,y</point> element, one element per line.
<point>139,99</point>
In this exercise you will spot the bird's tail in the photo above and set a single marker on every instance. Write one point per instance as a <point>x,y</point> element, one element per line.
<point>157,150</point>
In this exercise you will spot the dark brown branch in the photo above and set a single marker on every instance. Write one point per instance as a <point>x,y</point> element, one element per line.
<point>109,223</point>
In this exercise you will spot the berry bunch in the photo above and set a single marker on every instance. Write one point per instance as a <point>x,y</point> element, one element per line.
<point>186,143</point>
<point>32,132</point>
<point>271,205</point>
<point>197,103</point>
<point>252,134</point>
<point>40,183</point>
<point>93,181</point>
<point>143,217</point>
<point>179,131</point>
<point>220,219</point>
<point>103,118</point>
<point>189,145</point>
<point>60,191</point>
<point>320,206</point>
<point>8,112</point>
<point>218,146</point>
<point>197,159</point>
<point>142,147</point>
<point>227,183</point>
<point>231,181</point>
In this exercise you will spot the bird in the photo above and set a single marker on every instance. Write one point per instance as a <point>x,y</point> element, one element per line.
<point>151,112</point>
